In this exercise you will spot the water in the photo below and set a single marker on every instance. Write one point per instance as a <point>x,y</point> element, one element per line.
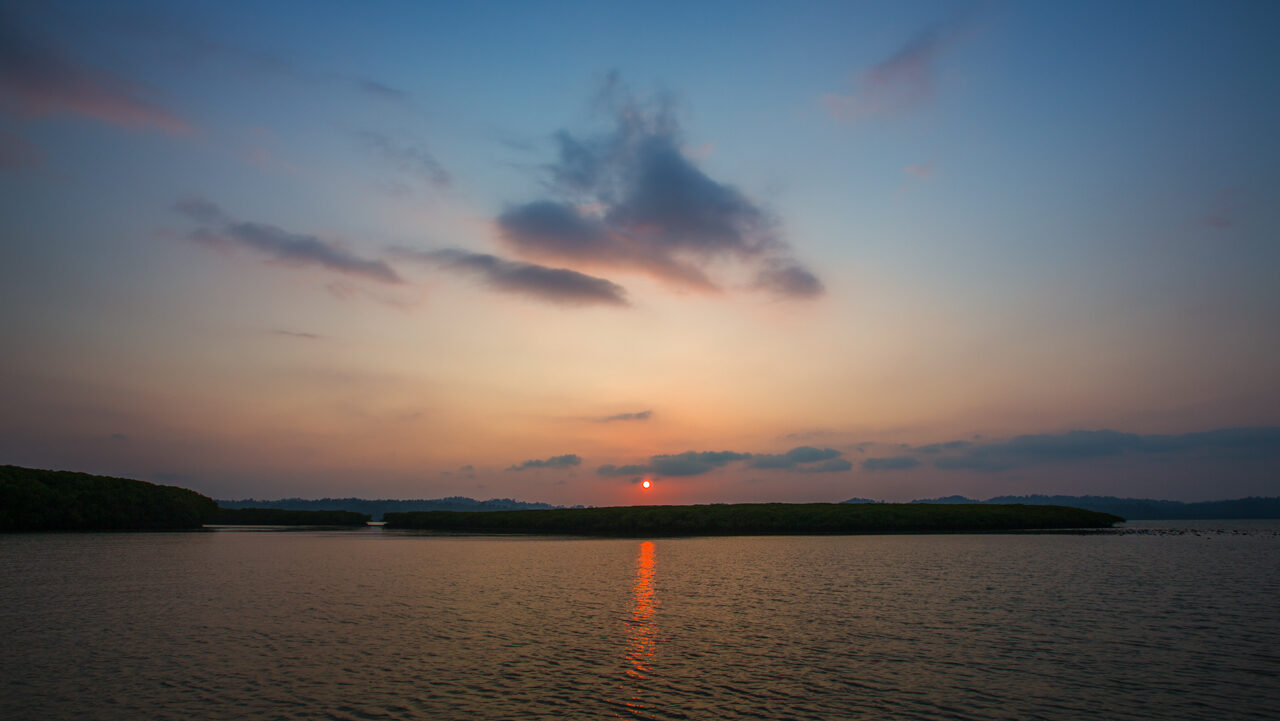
<point>377,624</point>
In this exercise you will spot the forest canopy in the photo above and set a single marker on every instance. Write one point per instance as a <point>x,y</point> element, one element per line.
<point>39,500</point>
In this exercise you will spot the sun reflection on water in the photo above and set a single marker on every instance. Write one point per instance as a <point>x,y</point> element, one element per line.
<point>641,625</point>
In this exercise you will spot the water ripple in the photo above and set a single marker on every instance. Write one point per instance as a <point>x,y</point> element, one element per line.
<point>1176,623</point>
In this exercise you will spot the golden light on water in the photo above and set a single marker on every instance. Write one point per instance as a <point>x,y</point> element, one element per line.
<point>640,636</point>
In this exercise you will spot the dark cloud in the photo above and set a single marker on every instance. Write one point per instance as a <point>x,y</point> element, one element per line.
<point>641,416</point>
<point>295,334</point>
<point>279,245</point>
<point>568,460</point>
<point>632,200</point>
<point>794,458</point>
<point>690,463</point>
<point>940,447</point>
<point>38,79</point>
<point>409,159</point>
<point>1025,450</point>
<point>557,285</point>
<point>559,232</point>
<point>612,470</point>
<point>803,459</point>
<point>904,80</point>
<point>895,463</point>
<point>789,280</point>
<point>693,463</point>
<point>200,210</point>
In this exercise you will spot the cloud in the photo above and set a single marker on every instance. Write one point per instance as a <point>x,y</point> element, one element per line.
<point>690,463</point>
<point>556,285</point>
<point>902,82</point>
<point>632,200</point>
<point>789,280</point>
<point>641,416</point>
<point>940,447</point>
<point>409,159</point>
<point>568,460</point>
<point>922,171</point>
<point>795,458</point>
<point>693,463</point>
<point>802,459</point>
<point>895,463</point>
<point>37,79</point>
<point>279,245</point>
<point>631,470</point>
<point>379,90</point>
<point>295,334</point>
<point>1076,446</point>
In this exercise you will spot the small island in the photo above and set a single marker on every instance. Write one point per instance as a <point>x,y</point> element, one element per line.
<point>760,519</point>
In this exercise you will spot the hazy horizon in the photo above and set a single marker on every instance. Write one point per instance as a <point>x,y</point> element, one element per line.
<point>749,251</point>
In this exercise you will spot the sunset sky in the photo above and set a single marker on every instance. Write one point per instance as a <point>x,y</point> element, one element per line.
<point>751,251</point>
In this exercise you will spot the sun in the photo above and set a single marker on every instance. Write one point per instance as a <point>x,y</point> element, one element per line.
<point>646,484</point>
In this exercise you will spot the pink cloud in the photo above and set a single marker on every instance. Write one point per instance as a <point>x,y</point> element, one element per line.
<point>919,170</point>
<point>36,81</point>
<point>902,82</point>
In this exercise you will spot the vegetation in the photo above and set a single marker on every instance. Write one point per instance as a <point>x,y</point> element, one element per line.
<point>36,500</point>
<point>760,519</point>
<point>282,517</point>
<point>378,507</point>
<point>1141,509</point>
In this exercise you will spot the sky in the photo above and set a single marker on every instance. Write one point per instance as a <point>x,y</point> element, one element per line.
<point>751,251</point>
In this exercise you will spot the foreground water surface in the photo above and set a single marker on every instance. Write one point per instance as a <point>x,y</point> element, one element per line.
<point>374,624</point>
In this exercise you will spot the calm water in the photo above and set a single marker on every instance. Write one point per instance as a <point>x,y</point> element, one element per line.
<point>384,625</point>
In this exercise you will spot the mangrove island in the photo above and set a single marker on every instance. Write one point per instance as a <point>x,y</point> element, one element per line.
<point>760,519</point>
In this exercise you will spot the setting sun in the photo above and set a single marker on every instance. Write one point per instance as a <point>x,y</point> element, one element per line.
<point>646,484</point>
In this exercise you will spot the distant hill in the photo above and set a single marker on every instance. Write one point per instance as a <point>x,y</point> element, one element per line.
<point>284,517</point>
<point>1138,509</point>
<point>377,507</point>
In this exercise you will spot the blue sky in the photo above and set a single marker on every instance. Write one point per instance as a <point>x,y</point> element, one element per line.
<point>265,249</point>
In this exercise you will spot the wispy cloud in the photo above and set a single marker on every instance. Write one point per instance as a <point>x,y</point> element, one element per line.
<point>295,334</point>
<point>640,416</point>
<point>409,159</point>
<point>921,171</point>
<point>632,200</point>
<point>280,246</point>
<point>569,460</point>
<point>38,79</point>
<point>555,285</point>
<point>902,82</point>
<point>380,90</point>
<point>1077,446</point>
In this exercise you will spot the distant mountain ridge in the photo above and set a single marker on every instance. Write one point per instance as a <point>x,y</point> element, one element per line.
<point>377,507</point>
<point>1138,509</point>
